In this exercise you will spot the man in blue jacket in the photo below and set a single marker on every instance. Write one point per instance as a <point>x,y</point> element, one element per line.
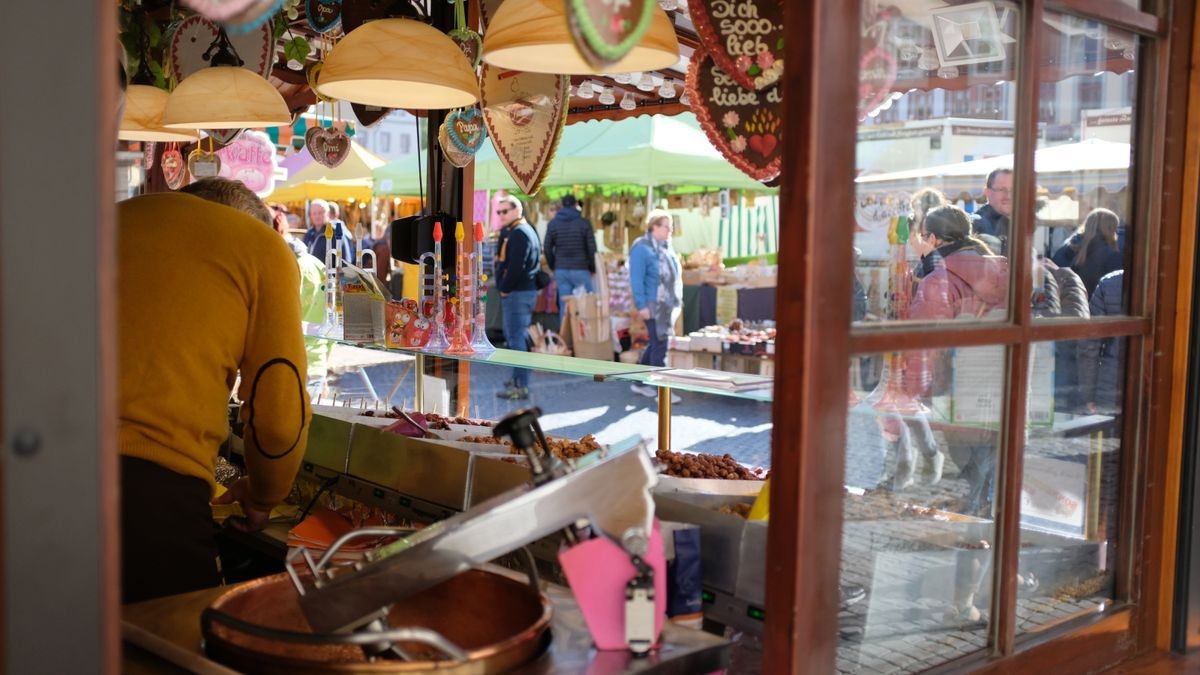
<point>570,250</point>
<point>516,269</point>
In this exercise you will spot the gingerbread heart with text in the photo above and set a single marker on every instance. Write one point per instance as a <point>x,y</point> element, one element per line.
<point>203,164</point>
<point>323,15</point>
<point>174,170</point>
<point>744,37</point>
<point>329,147</point>
<point>744,124</point>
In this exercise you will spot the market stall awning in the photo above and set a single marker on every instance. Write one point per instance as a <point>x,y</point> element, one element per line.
<point>648,150</point>
<point>352,179</point>
<point>639,151</point>
<point>1082,167</point>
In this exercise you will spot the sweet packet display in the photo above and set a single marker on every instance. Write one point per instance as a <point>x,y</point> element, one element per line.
<point>363,301</point>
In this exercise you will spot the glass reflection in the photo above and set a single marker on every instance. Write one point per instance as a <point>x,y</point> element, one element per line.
<point>923,430</point>
<point>1070,487</point>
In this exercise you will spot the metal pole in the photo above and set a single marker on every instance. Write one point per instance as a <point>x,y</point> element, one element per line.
<point>664,418</point>
<point>419,389</point>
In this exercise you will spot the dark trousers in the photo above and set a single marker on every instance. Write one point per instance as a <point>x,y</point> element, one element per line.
<point>167,532</point>
<point>656,349</point>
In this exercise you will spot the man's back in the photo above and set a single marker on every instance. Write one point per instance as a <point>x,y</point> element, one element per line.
<point>570,241</point>
<point>206,290</point>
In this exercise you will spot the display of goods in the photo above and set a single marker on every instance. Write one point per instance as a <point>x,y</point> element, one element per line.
<point>739,509</point>
<point>703,465</point>
<point>561,448</point>
<point>443,422</point>
<point>886,505</point>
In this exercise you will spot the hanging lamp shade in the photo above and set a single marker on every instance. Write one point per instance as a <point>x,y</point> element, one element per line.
<point>225,97</point>
<point>399,63</point>
<point>142,119</point>
<point>533,36</point>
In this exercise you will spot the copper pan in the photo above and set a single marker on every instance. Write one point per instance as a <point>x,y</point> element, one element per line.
<point>499,622</point>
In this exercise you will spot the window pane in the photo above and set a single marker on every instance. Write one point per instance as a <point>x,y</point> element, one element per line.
<point>937,95</point>
<point>1069,493</point>
<point>1088,89</point>
<point>921,445</point>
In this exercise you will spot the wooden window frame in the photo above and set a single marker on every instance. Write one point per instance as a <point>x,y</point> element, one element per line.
<point>816,342</point>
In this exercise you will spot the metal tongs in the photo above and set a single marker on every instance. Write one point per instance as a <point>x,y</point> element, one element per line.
<point>613,494</point>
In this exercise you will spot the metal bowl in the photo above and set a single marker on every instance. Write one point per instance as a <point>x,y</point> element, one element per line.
<point>499,622</point>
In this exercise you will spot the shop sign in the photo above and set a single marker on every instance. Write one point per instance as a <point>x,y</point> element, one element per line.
<point>604,30</point>
<point>896,134</point>
<point>196,33</point>
<point>1108,118</point>
<point>744,37</point>
<point>328,146</point>
<point>524,114</point>
<point>744,124</point>
<point>973,130</point>
<point>323,15</point>
<point>250,159</point>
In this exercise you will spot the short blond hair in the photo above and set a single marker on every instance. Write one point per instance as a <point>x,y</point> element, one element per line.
<point>656,215</point>
<point>233,194</point>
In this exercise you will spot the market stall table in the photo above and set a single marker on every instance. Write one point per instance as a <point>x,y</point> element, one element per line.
<point>163,636</point>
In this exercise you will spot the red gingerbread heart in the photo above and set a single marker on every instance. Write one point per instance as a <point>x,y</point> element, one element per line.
<point>745,38</point>
<point>744,124</point>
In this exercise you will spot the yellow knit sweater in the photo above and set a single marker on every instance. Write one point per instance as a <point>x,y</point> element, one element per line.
<point>206,291</point>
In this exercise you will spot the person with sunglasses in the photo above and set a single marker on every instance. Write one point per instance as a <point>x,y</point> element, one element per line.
<point>517,264</point>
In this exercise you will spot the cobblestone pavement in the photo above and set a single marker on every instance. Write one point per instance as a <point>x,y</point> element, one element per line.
<point>912,568</point>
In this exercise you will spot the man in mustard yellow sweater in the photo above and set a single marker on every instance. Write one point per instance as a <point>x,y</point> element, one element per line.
<point>205,292</point>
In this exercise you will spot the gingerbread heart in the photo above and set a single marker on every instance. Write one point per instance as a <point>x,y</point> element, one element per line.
<point>174,169</point>
<point>148,155</point>
<point>525,114</point>
<point>744,124</point>
<point>604,31</point>
<point>323,15</point>
<point>466,129</point>
<point>877,69</point>
<point>470,43</point>
<point>329,147</point>
<point>203,164</point>
<point>450,150</point>
<point>745,38</point>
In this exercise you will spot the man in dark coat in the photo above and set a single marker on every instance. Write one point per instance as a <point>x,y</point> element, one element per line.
<point>571,250</point>
<point>992,219</point>
<point>517,264</point>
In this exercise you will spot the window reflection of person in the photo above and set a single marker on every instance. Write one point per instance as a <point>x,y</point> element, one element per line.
<point>991,221</point>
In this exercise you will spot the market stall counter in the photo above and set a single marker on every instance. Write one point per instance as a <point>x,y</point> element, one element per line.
<point>163,636</point>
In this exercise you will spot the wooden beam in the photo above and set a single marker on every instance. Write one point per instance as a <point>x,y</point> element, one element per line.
<point>813,315</point>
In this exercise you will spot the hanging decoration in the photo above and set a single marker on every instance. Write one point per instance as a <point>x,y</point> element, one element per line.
<point>323,15</point>
<point>465,129</point>
<point>467,40</point>
<point>148,148</point>
<point>174,169</point>
<point>744,37</point>
<point>452,154</point>
<point>328,145</point>
<point>204,163</point>
<point>252,160</point>
<point>877,70</point>
<point>605,30</point>
<point>525,114</point>
<point>745,125</point>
